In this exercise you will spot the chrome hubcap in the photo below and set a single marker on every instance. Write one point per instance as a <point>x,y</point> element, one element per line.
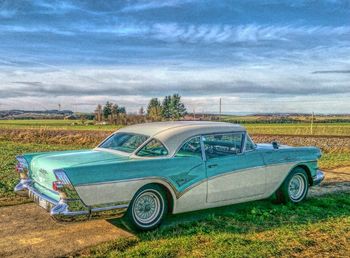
<point>296,187</point>
<point>146,207</point>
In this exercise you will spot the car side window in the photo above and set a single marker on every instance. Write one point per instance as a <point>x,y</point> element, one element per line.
<point>219,145</point>
<point>154,148</point>
<point>191,148</point>
<point>249,145</point>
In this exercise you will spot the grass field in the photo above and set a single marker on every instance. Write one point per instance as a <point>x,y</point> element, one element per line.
<point>20,136</point>
<point>8,176</point>
<point>257,229</point>
<point>319,226</point>
<point>54,124</point>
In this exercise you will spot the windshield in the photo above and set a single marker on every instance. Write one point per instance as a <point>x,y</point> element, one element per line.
<point>126,142</point>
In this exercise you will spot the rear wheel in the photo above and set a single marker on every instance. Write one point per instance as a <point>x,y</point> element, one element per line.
<point>294,188</point>
<point>148,208</point>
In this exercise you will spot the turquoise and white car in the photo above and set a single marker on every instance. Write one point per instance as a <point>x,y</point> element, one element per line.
<point>148,170</point>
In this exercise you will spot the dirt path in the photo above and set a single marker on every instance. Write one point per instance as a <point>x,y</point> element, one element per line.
<point>336,180</point>
<point>28,231</point>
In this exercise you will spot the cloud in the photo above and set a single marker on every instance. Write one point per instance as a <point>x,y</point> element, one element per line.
<point>332,72</point>
<point>159,81</point>
<point>90,51</point>
<point>242,33</point>
<point>153,4</point>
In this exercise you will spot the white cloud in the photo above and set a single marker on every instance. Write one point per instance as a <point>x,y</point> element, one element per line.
<point>137,6</point>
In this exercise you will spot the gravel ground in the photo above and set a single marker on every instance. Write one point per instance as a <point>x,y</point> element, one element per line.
<point>29,231</point>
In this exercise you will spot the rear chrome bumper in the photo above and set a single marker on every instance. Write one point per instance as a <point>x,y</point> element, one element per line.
<point>316,180</point>
<point>69,210</point>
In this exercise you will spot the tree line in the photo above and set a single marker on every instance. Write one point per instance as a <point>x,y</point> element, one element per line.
<point>169,108</point>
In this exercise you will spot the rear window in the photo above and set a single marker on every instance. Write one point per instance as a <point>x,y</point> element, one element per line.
<point>126,142</point>
<point>153,149</point>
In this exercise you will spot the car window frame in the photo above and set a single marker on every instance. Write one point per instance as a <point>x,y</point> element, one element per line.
<point>242,149</point>
<point>151,157</point>
<point>119,151</point>
<point>247,136</point>
<point>186,141</point>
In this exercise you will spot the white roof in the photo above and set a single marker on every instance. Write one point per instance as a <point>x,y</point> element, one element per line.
<point>173,134</point>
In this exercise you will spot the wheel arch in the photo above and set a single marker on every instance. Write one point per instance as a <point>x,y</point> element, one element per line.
<point>306,169</point>
<point>170,192</point>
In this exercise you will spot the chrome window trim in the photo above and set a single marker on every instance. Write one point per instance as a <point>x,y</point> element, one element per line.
<point>134,154</point>
<point>128,153</point>
<point>202,142</point>
<point>187,140</point>
<point>248,137</point>
<point>237,132</point>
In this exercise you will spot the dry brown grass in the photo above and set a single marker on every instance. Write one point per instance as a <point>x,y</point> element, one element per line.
<point>82,138</point>
<point>336,149</point>
<point>327,144</point>
<point>92,138</point>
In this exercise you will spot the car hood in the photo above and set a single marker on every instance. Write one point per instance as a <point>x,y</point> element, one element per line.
<point>301,152</point>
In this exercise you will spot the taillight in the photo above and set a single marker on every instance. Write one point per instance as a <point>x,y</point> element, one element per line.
<point>22,167</point>
<point>62,183</point>
<point>56,185</point>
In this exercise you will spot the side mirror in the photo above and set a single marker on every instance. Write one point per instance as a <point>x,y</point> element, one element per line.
<point>275,145</point>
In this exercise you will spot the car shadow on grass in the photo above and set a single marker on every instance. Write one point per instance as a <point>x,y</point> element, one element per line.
<point>255,216</point>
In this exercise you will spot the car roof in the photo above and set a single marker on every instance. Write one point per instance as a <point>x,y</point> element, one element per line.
<point>172,134</point>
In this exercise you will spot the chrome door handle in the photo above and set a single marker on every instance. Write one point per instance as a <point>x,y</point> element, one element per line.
<point>212,165</point>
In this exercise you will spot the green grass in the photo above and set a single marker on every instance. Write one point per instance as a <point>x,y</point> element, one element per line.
<point>55,124</point>
<point>337,129</point>
<point>256,229</point>
<point>8,176</point>
<point>334,160</point>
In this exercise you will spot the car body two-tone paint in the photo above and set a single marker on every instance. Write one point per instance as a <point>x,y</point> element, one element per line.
<point>104,179</point>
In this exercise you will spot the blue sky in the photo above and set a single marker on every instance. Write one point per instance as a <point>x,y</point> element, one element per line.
<point>258,56</point>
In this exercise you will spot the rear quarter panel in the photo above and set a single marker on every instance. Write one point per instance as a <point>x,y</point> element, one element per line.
<point>118,182</point>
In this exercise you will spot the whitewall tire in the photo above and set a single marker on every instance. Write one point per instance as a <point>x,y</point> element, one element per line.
<point>148,207</point>
<point>294,188</point>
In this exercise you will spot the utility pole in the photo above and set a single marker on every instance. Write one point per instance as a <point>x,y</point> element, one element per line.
<point>220,110</point>
<point>194,113</point>
<point>312,123</point>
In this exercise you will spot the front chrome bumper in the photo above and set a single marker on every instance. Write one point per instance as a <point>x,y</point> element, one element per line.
<point>316,180</point>
<point>69,210</point>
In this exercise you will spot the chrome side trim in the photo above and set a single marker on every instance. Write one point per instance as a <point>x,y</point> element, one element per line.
<point>107,208</point>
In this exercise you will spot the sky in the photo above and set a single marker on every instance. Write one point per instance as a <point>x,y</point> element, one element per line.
<point>258,56</point>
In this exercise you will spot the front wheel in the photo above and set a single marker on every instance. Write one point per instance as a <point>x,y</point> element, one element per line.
<point>148,208</point>
<point>294,188</point>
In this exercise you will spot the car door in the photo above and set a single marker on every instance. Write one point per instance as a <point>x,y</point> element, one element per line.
<point>232,172</point>
<point>189,165</point>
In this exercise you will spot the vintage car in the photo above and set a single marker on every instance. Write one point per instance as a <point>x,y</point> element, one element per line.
<point>149,170</point>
